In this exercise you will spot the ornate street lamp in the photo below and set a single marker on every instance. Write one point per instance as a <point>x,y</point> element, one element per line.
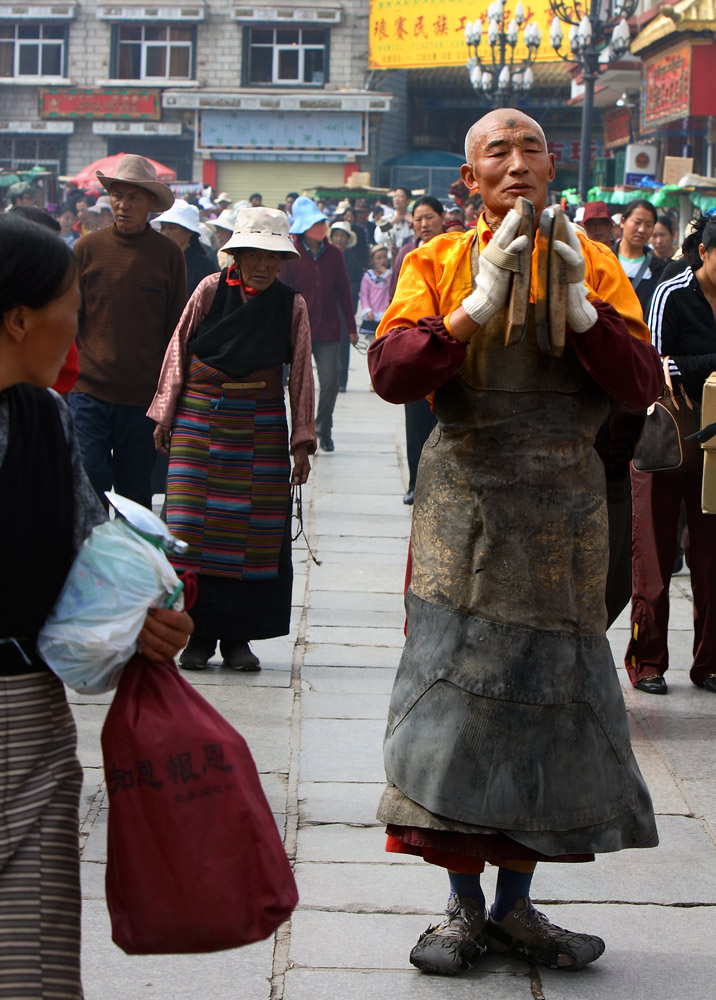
<point>595,25</point>
<point>501,78</point>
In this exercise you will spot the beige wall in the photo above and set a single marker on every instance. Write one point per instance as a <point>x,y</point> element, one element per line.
<point>275,180</point>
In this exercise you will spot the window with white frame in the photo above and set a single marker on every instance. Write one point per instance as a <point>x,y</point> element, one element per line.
<point>32,50</point>
<point>287,56</point>
<point>154,51</point>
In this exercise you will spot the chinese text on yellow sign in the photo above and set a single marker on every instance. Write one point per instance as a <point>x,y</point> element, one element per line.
<point>411,33</point>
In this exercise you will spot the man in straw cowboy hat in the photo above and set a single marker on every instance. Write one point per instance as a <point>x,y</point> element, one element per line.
<point>133,283</point>
<point>507,738</point>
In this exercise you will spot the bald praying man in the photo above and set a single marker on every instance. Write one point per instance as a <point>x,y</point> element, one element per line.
<point>507,740</point>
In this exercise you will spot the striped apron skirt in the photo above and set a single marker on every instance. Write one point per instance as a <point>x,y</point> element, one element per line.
<point>228,495</point>
<point>40,782</point>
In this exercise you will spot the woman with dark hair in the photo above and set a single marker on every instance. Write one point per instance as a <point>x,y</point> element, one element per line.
<point>428,215</point>
<point>45,501</point>
<point>663,238</point>
<point>682,320</point>
<point>641,266</point>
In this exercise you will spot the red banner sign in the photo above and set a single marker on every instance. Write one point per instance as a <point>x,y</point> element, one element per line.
<point>130,104</point>
<point>667,83</point>
<point>617,128</point>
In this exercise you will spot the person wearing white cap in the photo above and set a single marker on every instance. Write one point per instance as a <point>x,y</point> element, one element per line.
<point>133,284</point>
<point>181,223</point>
<point>103,209</point>
<point>223,227</point>
<point>220,415</point>
<point>319,273</point>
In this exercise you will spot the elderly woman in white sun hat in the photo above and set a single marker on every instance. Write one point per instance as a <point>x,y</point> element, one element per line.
<point>223,227</point>
<point>181,223</point>
<point>221,417</point>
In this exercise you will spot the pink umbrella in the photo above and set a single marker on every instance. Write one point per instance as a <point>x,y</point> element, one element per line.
<point>86,179</point>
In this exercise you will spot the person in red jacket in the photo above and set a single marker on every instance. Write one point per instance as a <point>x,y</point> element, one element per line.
<point>320,275</point>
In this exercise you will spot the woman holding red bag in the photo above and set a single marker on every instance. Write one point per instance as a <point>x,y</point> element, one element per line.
<point>50,508</point>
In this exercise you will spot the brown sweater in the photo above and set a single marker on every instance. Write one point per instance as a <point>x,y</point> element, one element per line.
<point>133,293</point>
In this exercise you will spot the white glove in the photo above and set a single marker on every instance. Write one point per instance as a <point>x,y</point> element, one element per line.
<point>498,261</point>
<point>581,314</point>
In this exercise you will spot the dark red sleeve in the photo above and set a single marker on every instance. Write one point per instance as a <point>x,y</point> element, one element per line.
<point>628,369</point>
<point>410,362</point>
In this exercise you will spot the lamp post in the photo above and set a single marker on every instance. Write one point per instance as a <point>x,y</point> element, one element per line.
<point>501,78</point>
<point>595,26</point>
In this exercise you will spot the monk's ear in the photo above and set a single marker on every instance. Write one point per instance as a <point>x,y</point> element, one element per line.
<point>469,179</point>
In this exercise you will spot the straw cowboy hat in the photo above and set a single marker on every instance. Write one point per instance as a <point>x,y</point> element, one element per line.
<point>133,169</point>
<point>347,228</point>
<point>223,197</point>
<point>261,229</point>
<point>181,214</point>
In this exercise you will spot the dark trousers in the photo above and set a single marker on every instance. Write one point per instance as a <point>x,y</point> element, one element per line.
<point>345,357</point>
<point>419,423</point>
<point>618,589</point>
<point>656,502</point>
<point>117,446</point>
<point>327,357</point>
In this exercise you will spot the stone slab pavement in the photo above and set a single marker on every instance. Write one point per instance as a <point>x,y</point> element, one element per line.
<point>314,719</point>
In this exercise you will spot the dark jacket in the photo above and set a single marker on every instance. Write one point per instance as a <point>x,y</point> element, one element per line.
<point>324,284</point>
<point>683,327</point>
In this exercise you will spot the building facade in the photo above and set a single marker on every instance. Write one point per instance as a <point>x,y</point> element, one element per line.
<point>246,98</point>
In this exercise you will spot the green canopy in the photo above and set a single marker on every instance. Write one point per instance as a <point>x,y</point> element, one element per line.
<point>668,196</point>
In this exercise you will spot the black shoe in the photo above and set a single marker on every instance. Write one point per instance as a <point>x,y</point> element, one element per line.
<point>678,562</point>
<point>708,683</point>
<point>409,498</point>
<point>653,685</point>
<point>197,654</point>
<point>238,656</point>
<point>327,444</point>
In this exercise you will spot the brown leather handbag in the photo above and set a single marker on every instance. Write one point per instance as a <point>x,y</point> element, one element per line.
<point>673,417</point>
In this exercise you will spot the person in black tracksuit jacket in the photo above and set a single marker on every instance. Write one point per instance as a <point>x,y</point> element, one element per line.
<point>682,320</point>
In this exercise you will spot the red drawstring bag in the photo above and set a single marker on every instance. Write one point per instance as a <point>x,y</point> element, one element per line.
<point>195,861</point>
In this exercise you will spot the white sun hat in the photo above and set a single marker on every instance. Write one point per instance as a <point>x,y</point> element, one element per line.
<point>226,220</point>
<point>261,229</point>
<point>181,214</point>
<point>346,228</point>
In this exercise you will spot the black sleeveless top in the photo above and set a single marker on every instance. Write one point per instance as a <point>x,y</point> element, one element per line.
<point>36,513</point>
<point>238,337</point>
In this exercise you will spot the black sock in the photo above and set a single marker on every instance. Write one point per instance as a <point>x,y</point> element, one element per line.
<point>467,886</point>
<point>511,886</point>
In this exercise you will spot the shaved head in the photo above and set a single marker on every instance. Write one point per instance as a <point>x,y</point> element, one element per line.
<point>507,117</point>
<point>507,158</point>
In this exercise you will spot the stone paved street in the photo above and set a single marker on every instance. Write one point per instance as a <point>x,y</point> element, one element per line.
<point>314,720</point>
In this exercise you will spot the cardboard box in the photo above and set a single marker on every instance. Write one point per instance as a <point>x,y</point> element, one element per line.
<point>708,416</point>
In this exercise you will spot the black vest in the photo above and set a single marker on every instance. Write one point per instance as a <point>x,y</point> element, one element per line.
<point>36,507</point>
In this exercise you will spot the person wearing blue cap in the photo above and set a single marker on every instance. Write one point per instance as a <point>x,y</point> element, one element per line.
<point>319,274</point>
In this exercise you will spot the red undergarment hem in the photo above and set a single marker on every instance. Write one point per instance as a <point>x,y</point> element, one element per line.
<point>466,852</point>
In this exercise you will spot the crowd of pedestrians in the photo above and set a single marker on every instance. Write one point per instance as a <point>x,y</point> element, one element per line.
<point>172,327</point>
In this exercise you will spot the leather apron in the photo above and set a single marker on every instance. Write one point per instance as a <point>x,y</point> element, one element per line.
<point>507,713</point>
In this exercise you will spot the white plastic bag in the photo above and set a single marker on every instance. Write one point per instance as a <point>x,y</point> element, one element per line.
<point>93,628</point>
